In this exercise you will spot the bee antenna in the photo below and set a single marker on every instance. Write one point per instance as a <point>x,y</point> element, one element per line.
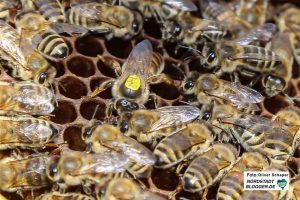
<point>95,111</point>
<point>61,85</point>
<point>56,102</point>
<point>185,102</point>
<point>289,99</point>
<point>191,48</point>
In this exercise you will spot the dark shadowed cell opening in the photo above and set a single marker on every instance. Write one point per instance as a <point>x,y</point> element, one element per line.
<point>72,87</point>
<point>118,47</point>
<point>105,69</point>
<point>88,108</point>
<point>64,113</point>
<point>152,28</point>
<point>88,46</point>
<point>106,94</point>
<point>164,179</point>
<point>165,91</point>
<point>72,135</point>
<point>274,104</point>
<point>81,66</point>
<point>60,69</point>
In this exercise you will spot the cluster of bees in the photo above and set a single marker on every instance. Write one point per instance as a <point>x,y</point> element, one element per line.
<point>212,139</point>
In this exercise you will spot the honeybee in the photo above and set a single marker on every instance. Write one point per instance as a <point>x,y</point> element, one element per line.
<point>171,150</point>
<point>25,132</point>
<point>5,6</point>
<point>76,168</point>
<point>63,196</point>
<point>161,10</point>
<point>215,10</point>
<point>33,26</point>
<point>116,21</point>
<point>294,190</point>
<point>209,88</point>
<point>256,133</point>
<point>233,181</point>
<point>267,194</point>
<point>123,188</point>
<point>209,167</point>
<point>278,80</point>
<point>253,11</point>
<point>289,20</point>
<point>25,62</point>
<point>24,174</point>
<point>150,125</point>
<point>52,10</point>
<point>289,119</point>
<point>99,138</point>
<point>25,98</point>
<point>190,30</point>
<point>131,89</point>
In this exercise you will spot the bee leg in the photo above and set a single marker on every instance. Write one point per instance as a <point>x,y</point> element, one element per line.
<point>204,194</point>
<point>105,85</point>
<point>218,72</point>
<point>143,138</point>
<point>161,78</point>
<point>108,111</point>
<point>235,77</point>
<point>60,187</point>
<point>86,188</point>
<point>112,63</point>
<point>172,194</point>
<point>20,193</point>
<point>180,167</point>
<point>156,100</point>
<point>254,80</point>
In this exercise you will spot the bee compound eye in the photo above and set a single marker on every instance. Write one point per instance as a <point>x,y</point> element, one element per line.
<point>135,26</point>
<point>211,56</point>
<point>206,116</point>
<point>43,77</point>
<point>189,85</point>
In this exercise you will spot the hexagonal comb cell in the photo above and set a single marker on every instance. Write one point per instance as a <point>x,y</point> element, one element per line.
<point>72,87</point>
<point>118,47</point>
<point>72,135</point>
<point>95,82</point>
<point>83,70</point>
<point>64,113</point>
<point>81,66</point>
<point>88,46</point>
<point>93,108</point>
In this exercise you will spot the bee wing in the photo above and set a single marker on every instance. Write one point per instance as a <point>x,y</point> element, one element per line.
<point>242,96</point>
<point>255,56</point>
<point>209,25</point>
<point>134,150</point>
<point>295,28</point>
<point>96,11</point>
<point>147,195</point>
<point>68,28</point>
<point>138,62</point>
<point>170,116</point>
<point>185,5</point>
<point>107,162</point>
<point>36,130</point>
<point>10,43</point>
<point>259,124</point>
<point>261,33</point>
<point>28,95</point>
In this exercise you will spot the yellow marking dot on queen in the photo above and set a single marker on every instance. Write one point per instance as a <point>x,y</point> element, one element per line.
<point>133,82</point>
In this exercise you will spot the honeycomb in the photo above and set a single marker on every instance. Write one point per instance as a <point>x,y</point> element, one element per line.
<point>82,71</point>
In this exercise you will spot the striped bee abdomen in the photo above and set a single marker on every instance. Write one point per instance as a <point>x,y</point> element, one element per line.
<point>51,45</point>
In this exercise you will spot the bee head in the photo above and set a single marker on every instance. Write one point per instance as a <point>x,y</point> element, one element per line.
<point>273,85</point>
<point>171,31</point>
